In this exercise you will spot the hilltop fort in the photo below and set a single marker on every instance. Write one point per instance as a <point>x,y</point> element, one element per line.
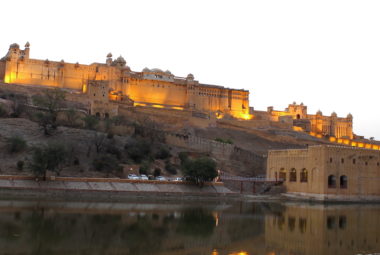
<point>114,81</point>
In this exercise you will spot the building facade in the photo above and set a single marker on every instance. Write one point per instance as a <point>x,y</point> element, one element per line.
<point>327,172</point>
<point>150,87</point>
<point>333,125</point>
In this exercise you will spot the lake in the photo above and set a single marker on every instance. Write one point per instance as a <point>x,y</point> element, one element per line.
<point>188,228</point>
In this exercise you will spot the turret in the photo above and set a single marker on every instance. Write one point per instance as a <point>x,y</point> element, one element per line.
<point>27,50</point>
<point>109,59</point>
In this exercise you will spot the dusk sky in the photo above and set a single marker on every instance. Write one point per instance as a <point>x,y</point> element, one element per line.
<point>325,54</point>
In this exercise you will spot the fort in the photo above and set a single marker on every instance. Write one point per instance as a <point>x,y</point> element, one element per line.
<point>109,84</point>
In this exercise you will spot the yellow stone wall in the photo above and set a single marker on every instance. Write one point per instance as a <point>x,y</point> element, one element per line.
<point>319,124</point>
<point>360,166</point>
<point>149,87</point>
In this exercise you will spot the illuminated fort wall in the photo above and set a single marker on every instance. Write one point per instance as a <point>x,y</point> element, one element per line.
<point>151,87</point>
<point>327,171</point>
<point>325,125</point>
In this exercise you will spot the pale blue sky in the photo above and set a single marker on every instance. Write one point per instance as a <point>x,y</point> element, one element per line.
<point>325,54</point>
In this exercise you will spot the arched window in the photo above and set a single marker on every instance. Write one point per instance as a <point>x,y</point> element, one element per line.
<point>303,175</point>
<point>332,181</point>
<point>282,175</point>
<point>97,115</point>
<point>107,116</point>
<point>298,116</point>
<point>343,182</point>
<point>293,175</point>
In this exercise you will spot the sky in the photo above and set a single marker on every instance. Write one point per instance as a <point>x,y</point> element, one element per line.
<point>324,53</point>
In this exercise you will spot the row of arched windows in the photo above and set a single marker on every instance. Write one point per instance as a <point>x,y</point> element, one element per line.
<point>303,176</point>
<point>343,182</point>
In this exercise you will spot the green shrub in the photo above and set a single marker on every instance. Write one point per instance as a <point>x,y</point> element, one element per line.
<point>15,144</point>
<point>106,163</point>
<point>221,140</point>
<point>170,168</point>
<point>156,172</point>
<point>144,168</point>
<point>20,165</point>
<point>138,150</point>
<point>162,153</point>
<point>90,122</point>
<point>3,112</point>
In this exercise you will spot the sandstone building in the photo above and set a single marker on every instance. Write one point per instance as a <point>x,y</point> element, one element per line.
<point>327,172</point>
<point>150,87</point>
<point>297,115</point>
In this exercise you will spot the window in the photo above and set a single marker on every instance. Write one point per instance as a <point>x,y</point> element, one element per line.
<point>291,223</point>
<point>354,161</point>
<point>302,225</point>
<point>293,175</point>
<point>303,175</point>
<point>343,182</point>
<point>342,160</point>
<point>282,175</point>
<point>331,181</point>
<point>330,223</point>
<point>342,222</point>
<point>330,160</point>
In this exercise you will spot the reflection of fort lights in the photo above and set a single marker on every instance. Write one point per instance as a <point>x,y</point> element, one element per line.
<point>239,253</point>
<point>215,252</point>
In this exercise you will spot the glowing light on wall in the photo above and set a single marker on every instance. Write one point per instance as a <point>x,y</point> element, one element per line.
<point>246,116</point>
<point>177,108</point>
<point>158,106</point>
<point>7,79</point>
<point>138,104</point>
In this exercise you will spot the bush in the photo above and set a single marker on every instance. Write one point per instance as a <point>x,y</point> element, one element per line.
<point>15,144</point>
<point>138,150</point>
<point>170,168</point>
<point>162,153</point>
<point>3,112</point>
<point>183,156</point>
<point>90,122</point>
<point>106,163</point>
<point>221,140</point>
<point>157,172</point>
<point>20,165</point>
<point>144,168</point>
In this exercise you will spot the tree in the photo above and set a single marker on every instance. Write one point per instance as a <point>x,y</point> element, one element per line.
<point>200,170</point>
<point>50,102</point>
<point>90,122</point>
<point>138,149</point>
<point>47,158</point>
<point>15,144</point>
<point>71,117</point>
<point>106,163</point>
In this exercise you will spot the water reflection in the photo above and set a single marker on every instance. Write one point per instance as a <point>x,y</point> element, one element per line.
<point>188,229</point>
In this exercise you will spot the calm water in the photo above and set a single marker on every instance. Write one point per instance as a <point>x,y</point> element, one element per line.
<point>188,229</point>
